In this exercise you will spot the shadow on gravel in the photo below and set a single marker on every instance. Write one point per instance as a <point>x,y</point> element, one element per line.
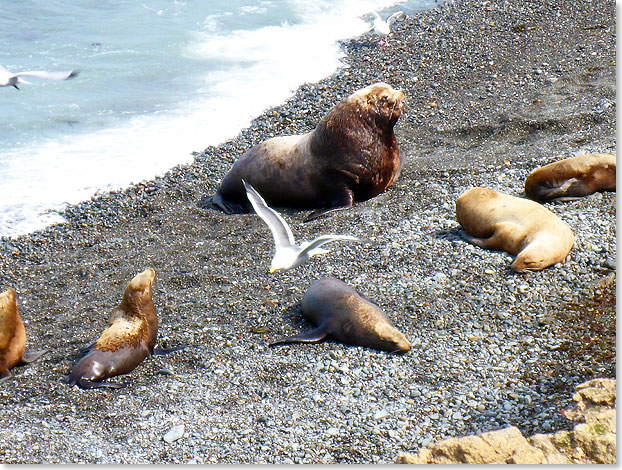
<point>454,234</point>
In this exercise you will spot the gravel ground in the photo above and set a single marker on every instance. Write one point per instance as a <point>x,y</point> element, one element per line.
<point>495,89</point>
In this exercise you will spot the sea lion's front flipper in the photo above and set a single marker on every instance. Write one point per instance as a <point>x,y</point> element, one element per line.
<point>313,336</point>
<point>32,356</point>
<point>163,351</point>
<point>319,213</point>
<point>4,373</point>
<point>86,349</point>
<point>341,201</point>
<point>87,384</point>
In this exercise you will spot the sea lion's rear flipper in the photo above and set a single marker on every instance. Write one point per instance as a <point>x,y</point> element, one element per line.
<point>312,336</point>
<point>227,206</point>
<point>163,351</point>
<point>87,384</point>
<point>32,356</point>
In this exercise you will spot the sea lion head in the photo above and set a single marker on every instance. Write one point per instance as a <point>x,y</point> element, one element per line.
<point>390,339</point>
<point>8,303</point>
<point>381,101</point>
<point>137,294</point>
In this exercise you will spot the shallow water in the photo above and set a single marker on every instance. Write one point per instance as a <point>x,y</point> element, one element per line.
<point>159,80</point>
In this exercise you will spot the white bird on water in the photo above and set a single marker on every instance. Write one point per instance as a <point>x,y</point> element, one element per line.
<point>13,79</point>
<point>287,254</point>
<point>383,28</point>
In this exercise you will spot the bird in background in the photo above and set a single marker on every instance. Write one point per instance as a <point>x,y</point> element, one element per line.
<point>287,254</point>
<point>383,28</point>
<point>13,79</point>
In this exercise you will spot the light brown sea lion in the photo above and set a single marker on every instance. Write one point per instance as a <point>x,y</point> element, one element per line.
<point>12,336</point>
<point>573,177</point>
<point>340,312</point>
<point>531,232</point>
<point>352,155</point>
<point>129,338</point>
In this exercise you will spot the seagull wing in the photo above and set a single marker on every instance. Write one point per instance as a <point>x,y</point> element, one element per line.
<point>48,75</point>
<point>380,25</point>
<point>397,16</point>
<point>281,232</point>
<point>322,239</point>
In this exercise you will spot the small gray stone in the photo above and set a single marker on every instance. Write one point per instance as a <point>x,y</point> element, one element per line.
<point>174,433</point>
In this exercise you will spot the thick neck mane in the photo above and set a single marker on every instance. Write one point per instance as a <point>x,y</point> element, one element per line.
<point>351,125</point>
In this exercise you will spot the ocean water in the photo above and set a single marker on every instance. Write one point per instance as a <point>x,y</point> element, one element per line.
<point>159,79</point>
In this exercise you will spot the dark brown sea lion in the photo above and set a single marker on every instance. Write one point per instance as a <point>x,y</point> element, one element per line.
<point>340,312</point>
<point>352,155</point>
<point>531,232</point>
<point>129,338</point>
<point>12,336</point>
<point>573,177</point>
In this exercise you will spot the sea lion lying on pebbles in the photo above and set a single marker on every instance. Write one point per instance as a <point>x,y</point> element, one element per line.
<point>573,177</point>
<point>13,336</point>
<point>129,338</point>
<point>340,312</point>
<point>531,232</point>
<point>352,155</point>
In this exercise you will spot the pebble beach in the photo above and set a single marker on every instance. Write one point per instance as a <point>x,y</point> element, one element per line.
<point>494,90</point>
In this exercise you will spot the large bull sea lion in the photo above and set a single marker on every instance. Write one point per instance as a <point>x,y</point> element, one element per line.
<point>12,336</point>
<point>352,155</point>
<point>340,312</point>
<point>573,177</point>
<point>526,229</point>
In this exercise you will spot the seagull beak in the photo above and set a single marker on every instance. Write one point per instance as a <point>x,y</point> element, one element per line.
<point>273,270</point>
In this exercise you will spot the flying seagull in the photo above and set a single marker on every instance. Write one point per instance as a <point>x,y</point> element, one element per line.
<point>287,255</point>
<point>383,28</point>
<point>13,79</point>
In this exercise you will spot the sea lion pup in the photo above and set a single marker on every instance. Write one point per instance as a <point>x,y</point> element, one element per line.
<point>340,312</point>
<point>531,232</point>
<point>352,155</point>
<point>12,336</point>
<point>129,338</point>
<point>573,177</point>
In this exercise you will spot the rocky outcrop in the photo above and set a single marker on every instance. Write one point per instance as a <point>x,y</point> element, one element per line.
<point>593,439</point>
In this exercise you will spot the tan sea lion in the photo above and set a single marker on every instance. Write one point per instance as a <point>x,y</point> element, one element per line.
<point>352,155</point>
<point>531,232</point>
<point>129,338</point>
<point>340,312</point>
<point>12,336</point>
<point>573,177</point>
